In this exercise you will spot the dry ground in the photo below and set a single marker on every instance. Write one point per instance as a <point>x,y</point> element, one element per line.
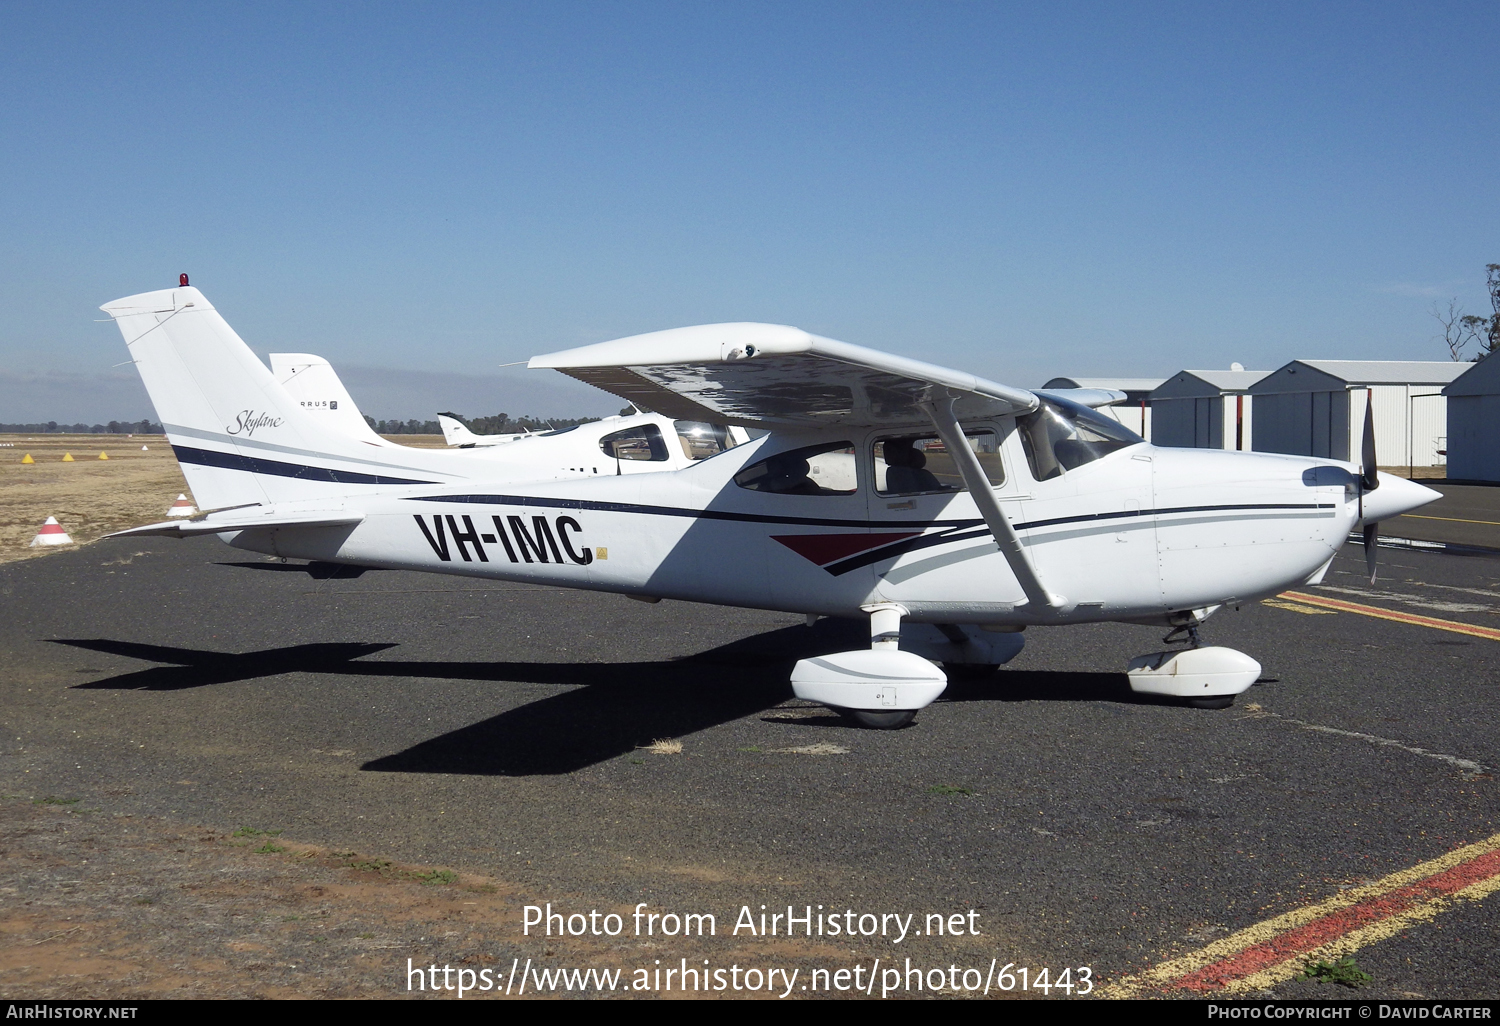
<point>91,497</point>
<point>102,905</point>
<point>112,906</point>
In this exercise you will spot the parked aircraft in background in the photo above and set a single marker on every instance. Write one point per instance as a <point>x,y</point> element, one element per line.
<point>456,434</point>
<point>952,511</point>
<point>633,444</point>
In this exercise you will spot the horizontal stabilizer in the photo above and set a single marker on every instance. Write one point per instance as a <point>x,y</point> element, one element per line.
<point>243,520</point>
<point>763,375</point>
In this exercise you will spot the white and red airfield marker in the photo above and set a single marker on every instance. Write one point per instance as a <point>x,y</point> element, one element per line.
<point>51,534</point>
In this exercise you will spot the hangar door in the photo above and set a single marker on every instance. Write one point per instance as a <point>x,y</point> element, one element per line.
<point>1192,423</point>
<point>1303,423</point>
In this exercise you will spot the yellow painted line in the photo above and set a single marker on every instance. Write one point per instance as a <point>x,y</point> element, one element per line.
<point>1390,614</point>
<point>1297,607</point>
<point>1451,520</point>
<point>1362,938</point>
<point>1162,975</point>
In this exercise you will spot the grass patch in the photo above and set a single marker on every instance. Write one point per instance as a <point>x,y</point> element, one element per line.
<point>437,877</point>
<point>54,800</point>
<point>637,762</point>
<point>664,746</point>
<point>385,867</point>
<point>949,789</point>
<point>381,866</point>
<point>1343,972</point>
<point>252,832</point>
<point>268,848</point>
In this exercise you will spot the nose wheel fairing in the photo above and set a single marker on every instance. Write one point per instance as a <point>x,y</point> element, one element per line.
<point>1194,674</point>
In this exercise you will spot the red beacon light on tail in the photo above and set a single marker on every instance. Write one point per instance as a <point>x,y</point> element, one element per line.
<point>182,281</point>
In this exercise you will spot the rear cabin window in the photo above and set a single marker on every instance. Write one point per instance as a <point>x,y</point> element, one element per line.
<point>826,469</point>
<point>918,464</point>
<point>1059,436</point>
<point>642,442</point>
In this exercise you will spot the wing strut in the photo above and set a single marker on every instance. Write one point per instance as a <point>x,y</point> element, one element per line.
<point>1037,595</point>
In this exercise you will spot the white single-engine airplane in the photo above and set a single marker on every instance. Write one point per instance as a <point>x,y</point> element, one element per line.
<point>632,444</point>
<point>952,511</point>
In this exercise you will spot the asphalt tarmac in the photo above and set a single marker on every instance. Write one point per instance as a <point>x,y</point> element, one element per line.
<point>1465,515</point>
<point>501,730</point>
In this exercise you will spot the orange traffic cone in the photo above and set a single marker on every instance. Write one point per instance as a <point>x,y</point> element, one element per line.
<point>51,534</point>
<point>67,457</point>
<point>27,458</point>
<point>183,507</point>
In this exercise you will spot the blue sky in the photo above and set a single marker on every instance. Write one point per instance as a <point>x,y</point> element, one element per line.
<point>1019,190</point>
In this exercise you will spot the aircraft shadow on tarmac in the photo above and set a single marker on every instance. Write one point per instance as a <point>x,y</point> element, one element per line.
<point>610,709</point>
<point>316,570</point>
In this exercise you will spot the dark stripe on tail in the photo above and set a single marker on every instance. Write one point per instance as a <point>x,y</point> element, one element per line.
<point>254,465</point>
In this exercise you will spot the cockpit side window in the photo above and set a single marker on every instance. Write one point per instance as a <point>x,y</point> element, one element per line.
<point>914,465</point>
<point>642,442</point>
<point>701,440</point>
<point>826,469</point>
<point>1059,436</point>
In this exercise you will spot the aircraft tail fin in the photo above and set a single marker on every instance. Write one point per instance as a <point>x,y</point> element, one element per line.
<point>311,381</point>
<point>454,432</point>
<point>241,437</point>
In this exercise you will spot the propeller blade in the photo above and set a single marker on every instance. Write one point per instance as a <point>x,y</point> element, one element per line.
<point>1372,531</point>
<point>1369,479</point>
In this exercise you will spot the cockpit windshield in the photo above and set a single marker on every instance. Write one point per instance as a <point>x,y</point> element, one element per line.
<point>1060,435</point>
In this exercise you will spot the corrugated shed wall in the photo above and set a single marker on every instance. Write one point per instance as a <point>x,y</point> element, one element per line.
<point>1198,422</point>
<point>1474,437</point>
<point>1397,443</point>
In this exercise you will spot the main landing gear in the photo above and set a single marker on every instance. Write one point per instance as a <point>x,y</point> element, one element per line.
<point>883,686</point>
<point>1206,677</point>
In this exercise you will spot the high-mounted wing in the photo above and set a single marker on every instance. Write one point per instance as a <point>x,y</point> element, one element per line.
<point>1094,398</point>
<point>765,375</point>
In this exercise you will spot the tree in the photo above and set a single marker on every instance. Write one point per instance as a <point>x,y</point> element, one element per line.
<point>1461,329</point>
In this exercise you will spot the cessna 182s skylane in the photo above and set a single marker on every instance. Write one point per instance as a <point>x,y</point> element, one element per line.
<point>952,511</point>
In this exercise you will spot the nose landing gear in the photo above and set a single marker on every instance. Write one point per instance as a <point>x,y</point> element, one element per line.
<point>1208,677</point>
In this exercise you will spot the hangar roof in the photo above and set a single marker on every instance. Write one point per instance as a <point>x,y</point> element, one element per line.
<point>1321,375</point>
<point>1207,383</point>
<point>1480,378</point>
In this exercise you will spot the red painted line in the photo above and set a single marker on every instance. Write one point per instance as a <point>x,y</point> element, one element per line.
<point>1331,927</point>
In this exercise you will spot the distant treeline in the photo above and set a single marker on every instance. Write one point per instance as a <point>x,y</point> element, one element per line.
<point>114,427</point>
<point>404,427</point>
<point>499,424</point>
